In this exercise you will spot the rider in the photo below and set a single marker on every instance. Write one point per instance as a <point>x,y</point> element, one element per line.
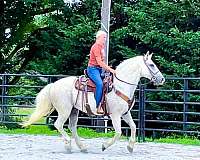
<point>96,64</point>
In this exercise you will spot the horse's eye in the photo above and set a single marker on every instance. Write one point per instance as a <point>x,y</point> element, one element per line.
<point>151,65</point>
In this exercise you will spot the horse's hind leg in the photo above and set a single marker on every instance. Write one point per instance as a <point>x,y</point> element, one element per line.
<point>73,119</point>
<point>62,117</point>
<point>128,119</point>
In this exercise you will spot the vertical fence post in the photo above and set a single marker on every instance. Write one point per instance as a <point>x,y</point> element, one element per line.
<point>185,105</point>
<point>48,117</point>
<point>49,80</point>
<point>141,122</point>
<point>1,108</point>
<point>3,98</point>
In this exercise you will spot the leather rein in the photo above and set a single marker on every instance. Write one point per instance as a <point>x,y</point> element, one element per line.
<point>152,79</point>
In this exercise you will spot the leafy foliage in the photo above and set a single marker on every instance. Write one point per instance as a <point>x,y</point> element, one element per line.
<point>51,37</point>
<point>58,36</point>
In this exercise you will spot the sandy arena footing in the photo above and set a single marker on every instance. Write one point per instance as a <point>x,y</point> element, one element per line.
<point>24,147</point>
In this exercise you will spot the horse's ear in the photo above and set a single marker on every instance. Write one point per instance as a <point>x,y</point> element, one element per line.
<point>146,56</point>
<point>151,55</point>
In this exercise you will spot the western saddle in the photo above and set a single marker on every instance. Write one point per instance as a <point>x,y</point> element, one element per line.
<point>84,84</point>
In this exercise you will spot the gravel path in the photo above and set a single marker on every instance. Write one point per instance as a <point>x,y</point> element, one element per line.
<point>29,147</point>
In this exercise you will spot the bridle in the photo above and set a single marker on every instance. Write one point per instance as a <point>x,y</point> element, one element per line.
<point>151,72</point>
<point>153,78</point>
<point>131,101</point>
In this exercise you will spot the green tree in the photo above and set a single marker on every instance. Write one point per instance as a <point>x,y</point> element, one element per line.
<point>17,29</point>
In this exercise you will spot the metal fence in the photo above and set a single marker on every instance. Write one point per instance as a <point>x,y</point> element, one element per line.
<point>180,113</point>
<point>173,108</point>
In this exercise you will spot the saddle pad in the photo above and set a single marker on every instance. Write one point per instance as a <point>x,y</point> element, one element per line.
<point>80,85</point>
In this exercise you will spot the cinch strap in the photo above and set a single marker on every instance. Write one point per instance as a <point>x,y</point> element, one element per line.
<point>124,97</point>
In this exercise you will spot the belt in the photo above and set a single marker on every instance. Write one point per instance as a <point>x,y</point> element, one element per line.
<point>94,67</point>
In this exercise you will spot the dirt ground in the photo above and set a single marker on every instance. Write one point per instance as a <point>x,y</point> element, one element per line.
<point>30,147</point>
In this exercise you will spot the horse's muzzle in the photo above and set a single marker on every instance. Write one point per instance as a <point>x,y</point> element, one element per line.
<point>158,80</point>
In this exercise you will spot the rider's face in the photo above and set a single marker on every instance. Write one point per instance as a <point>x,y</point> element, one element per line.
<point>102,38</point>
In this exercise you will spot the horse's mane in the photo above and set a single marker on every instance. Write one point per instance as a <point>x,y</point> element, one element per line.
<point>128,63</point>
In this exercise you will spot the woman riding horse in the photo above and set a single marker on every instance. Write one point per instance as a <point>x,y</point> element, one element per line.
<point>96,64</point>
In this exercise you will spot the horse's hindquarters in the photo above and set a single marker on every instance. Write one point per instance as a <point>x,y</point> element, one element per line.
<point>61,93</point>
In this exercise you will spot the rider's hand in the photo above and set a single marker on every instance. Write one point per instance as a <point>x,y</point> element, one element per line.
<point>113,71</point>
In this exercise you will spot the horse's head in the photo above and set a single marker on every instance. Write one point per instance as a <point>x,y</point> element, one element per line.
<point>151,71</point>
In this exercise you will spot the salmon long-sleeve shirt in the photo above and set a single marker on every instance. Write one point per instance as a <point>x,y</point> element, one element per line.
<point>96,55</point>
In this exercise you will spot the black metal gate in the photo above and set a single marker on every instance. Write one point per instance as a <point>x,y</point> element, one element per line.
<point>153,114</point>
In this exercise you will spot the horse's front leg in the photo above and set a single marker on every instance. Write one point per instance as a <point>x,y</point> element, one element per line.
<point>116,121</point>
<point>129,120</point>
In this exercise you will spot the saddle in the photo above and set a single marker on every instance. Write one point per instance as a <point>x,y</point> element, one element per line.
<point>84,84</point>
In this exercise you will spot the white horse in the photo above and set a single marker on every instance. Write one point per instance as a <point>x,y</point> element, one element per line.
<point>61,95</point>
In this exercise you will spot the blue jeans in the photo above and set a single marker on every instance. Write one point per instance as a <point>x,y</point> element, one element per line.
<point>94,74</point>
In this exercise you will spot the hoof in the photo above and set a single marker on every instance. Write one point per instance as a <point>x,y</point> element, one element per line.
<point>84,150</point>
<point>130,149</point>
<point>103,148</point>
<point>68,149</point>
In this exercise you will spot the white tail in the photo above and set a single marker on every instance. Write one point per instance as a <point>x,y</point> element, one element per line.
<point>43,106</point>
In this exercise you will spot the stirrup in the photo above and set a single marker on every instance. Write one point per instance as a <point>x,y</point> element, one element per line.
<point>100,113</point>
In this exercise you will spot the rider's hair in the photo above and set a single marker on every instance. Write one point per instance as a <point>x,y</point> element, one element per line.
<point>100,32</point>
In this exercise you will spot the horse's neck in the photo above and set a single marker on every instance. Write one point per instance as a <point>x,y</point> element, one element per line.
<point>130,73</point>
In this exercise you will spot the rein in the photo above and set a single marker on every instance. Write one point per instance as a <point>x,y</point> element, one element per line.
<point>126,98</point>
<point>152,79</point>
<point>133,84</point>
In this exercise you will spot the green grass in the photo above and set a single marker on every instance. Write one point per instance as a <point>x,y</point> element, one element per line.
<point>180,140</point>
<point>89,133</point>
<point>44,130</point>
